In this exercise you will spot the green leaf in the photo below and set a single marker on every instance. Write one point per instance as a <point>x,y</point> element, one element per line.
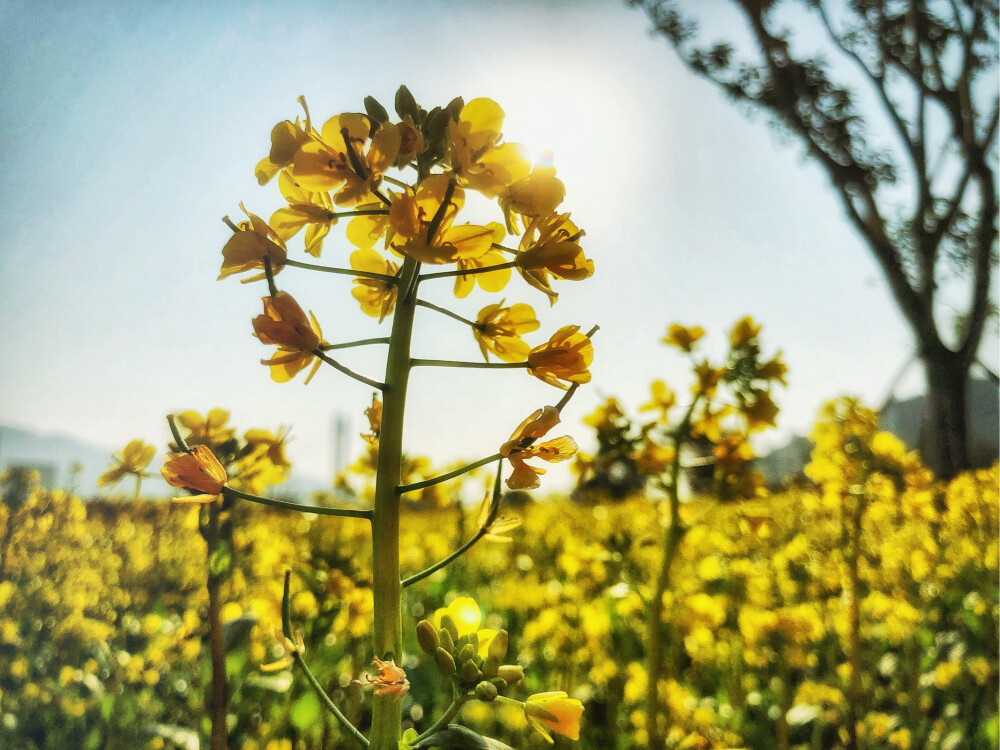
<point>409,737</point>
<point>305,711</point>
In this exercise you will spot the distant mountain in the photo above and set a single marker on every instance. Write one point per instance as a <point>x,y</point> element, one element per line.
<point>53,456</point>
<point>903,419</point>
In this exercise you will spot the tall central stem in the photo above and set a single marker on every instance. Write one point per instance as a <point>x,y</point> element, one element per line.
<point>387,591</point>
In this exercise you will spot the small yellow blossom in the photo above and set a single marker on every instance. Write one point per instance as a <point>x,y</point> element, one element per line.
<point>290,648</point>
<point>550,247</point>
<point>133,459</point>
<point>521,446</point>
<point>682,337</point>
<point>377,296</point>
<point>498,330</point>
<point>556,712</point>
<point>464,612</point>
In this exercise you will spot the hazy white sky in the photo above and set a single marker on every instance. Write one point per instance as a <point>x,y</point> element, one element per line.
<point>129,133</point>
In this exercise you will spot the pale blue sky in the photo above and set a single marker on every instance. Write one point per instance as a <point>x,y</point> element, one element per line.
<point>128,133</point>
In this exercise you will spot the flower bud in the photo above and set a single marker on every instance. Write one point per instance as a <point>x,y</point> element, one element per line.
<point>511,673</point>
<point>447,623</point>
<point>427,637</point>
<point>446,641</point>
<point>500,683</point>
<point>467,653</point>
<point>486,691</point>
<point>470,672</point>
<point>498,646</point>
<point>491,667</point>
<point>445,662</point>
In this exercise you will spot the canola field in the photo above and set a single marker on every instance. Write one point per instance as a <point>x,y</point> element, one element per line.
<point>786,617</point>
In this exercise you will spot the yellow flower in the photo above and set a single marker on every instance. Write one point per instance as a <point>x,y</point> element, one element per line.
<point>682,337</point>
<point>760,412</point>
<point>498,330</point>
<point>489,281</point>
<point>539,194</point>
<point>521,447</point>
<point>663,399</point>
<point>477,158</point>
<point>412,216</point>
<point>286,139</point>
<point>198,470</point>
<point>744,332</point>
<point>304,207</point>
<point>270,444</point>
<point>464,612</point>
<point>496,529</point>
<point>133,459</point>
<point>774,369</point>
<point>377,296</point>
<point>253,241</point>
<point>554,711</point>
<point>340,159</point>
<point>550,246</point>
<point>564,357</point>
<point>285,325</point>
<point>374,414</point>
<point>210,430</point>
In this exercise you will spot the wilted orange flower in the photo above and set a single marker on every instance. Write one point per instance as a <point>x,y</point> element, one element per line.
<point>554,711</point>
<point>197,470</point>
<point>377,296</point>
<point>564,357</point>
<point>496,529</point>
<point>682,337</point>
<point>550,246</point>
<point>390,680</point>
<point>521,447</point>
<point>253,241</point>
<point>498,330</point>
<point>285,325</point>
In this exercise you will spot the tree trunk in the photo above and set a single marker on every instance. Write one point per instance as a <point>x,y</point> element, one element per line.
<point>944,428</point>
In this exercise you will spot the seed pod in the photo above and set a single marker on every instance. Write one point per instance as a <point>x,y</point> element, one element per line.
<point>446,641</point>
<point>470,673</point>
<point>512,673</point>
<point>427,637</point>
<point>445,662</point>
<point>491,667</point>
<point>447,623</point>
<point>486,691</point>
<point>498,646</point>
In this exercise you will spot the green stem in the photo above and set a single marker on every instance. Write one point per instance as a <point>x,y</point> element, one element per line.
<point>360,212</point>
<point>470,365</point>
<point>330,705</point>
<point>468,272</point>
<point>319,510</point>
<point>397,183</point>
<point>342,271</point>
<point>138,486</point>
<point>386,585</point>
<point>404,488</point>
<point>443,311</point>
<point>446,561</point>
<point>348,371</point>
<point>350,344</point>
<point>446,717</point>
<point>673,535</point>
